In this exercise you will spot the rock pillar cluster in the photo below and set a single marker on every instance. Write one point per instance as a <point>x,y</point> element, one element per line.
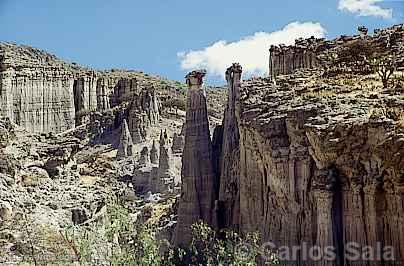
<point>144,111</point>
<point>284,59</point>
<point>197,191</point>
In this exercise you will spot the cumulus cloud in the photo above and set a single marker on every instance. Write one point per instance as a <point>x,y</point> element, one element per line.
<point>365,8</point>
<point>252,52</point>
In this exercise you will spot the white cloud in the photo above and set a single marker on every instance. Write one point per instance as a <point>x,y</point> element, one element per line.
<point>252,52</point>
<point>365,8</point>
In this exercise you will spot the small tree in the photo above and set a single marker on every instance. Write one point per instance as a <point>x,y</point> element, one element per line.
<point>385,68</point>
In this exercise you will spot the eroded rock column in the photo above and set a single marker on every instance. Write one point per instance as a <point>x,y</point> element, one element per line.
<point>229,180</point>
<point>197,191</point>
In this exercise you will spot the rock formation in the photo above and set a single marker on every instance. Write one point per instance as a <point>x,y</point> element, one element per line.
<point>143,112</point>
<point>125,148</point>
<point>286,59</point>
<point>85,93</point>
<point>149,177</point>
<point>229,199</point>
<point>137,126</point>
<point>312,53</point>
<point>144,156</point>
<point>197,188</point>
<point>36,92</point>
<point>124,89</point>
<point>318,173</point>
<point>164,158</point>
<point>44,94</point>
<point>103,100</point>
<point>178,143</point>
<point>154,157</point>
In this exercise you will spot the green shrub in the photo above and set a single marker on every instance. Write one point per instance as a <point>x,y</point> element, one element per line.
<point>175,103</point>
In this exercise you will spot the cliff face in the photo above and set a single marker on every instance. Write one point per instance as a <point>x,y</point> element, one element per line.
<point>324,168</point>
<point>36,90</point>
<point>41,93</point>
<point>312,53</point>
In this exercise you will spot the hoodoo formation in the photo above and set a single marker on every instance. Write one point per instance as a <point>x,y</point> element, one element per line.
<point>197,175</point>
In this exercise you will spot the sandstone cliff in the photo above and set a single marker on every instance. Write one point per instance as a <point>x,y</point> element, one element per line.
<point>313,53</point>
<point>315,160</point>
<point>42,93</point>
<point>323,166</point>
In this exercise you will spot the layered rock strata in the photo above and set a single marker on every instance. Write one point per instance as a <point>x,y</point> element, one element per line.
<point>197,175</point>
<point>36,91</point>
<point>41,93</point>
<point>313,170</point>
<point>312,53</point>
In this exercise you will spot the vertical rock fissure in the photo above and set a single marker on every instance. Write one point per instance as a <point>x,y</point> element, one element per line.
<point>337,221</point>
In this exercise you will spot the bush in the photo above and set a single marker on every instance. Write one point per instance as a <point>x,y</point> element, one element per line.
<point>359,50</point>
<point>223,248</point>
<point>175,103</point>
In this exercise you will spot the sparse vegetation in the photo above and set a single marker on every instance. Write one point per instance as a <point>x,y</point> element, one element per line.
<point>385,68</point>
<point>119,240</point>
<point>175,103</point>
<point>226,247</point>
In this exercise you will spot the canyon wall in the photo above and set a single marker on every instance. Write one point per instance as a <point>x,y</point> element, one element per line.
<point>312,53</point>
<point>36,90</point>
<point>323,172</point>
<point>41,93</point>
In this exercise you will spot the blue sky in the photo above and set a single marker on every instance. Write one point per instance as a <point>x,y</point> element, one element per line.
<point>157,36</point>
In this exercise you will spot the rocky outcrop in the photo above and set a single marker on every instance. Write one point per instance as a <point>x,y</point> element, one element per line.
<point>144,156</point>
<point>124,90</point>
<point>197,175</point>
<point>178,143</point>
<point>85,93</point>
<point>143,112</point>
<point>125,148</point>
<point>154,157</point>
<point>153,172</point>
<point>41,93</point>
<point>313,53</point>
<point>301,168</point>
<point>102,90</point>
<point>164,171</point>
<point>36,90</point>
<point>286,59</point>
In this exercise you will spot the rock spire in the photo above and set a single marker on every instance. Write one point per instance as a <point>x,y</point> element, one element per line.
<point>197,191</point>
